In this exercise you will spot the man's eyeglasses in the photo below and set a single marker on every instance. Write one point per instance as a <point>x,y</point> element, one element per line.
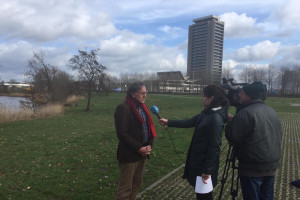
<point>143,93</point>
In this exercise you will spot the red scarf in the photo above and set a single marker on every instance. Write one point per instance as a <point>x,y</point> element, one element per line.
<point>132,103</point>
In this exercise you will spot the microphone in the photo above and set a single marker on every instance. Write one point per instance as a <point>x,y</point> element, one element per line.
<point>155,111</point>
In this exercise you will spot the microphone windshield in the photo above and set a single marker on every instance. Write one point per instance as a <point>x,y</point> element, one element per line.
<point>154,110</point>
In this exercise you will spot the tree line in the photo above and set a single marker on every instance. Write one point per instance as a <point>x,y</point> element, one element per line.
<point>279,79</point>
<point>51,84</point>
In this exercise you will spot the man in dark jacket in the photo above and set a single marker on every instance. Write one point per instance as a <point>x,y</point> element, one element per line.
<point>135,131</point>
<point>256,134</point>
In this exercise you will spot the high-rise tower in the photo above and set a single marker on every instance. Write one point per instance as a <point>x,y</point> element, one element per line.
<point>205,49</point>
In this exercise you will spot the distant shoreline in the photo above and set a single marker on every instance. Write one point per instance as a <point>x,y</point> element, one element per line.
<point>14,94</point>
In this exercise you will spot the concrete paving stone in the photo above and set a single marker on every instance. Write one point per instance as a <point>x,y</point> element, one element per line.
<point>172,186</point>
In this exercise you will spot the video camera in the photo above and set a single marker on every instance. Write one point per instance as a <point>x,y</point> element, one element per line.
<point>233,90</point>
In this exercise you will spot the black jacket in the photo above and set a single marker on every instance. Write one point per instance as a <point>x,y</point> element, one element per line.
<point>204,150</point>
<point>256,134</point>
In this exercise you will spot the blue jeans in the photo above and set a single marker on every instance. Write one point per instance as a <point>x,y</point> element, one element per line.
<point>257,188</point>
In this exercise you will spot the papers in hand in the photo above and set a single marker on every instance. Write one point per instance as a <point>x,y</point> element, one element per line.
<point>201,187</point>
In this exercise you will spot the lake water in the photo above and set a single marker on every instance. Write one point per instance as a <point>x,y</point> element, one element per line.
<point>11,102</point>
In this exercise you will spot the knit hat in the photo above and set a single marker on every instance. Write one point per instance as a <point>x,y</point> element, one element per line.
<point>255,90</point>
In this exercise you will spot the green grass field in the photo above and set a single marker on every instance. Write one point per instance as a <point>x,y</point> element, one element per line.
<point>73,156</point>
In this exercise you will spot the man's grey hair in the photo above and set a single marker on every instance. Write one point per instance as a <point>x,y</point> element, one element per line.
<point>135,87</point>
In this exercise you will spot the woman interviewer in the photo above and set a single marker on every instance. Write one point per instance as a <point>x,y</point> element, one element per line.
<point>203,154</point>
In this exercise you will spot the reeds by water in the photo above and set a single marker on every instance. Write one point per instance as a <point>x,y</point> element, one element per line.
<point>10,114</point>
<point>24,113</point>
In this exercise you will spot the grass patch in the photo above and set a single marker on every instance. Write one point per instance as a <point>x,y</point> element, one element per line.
<point>73,156</point>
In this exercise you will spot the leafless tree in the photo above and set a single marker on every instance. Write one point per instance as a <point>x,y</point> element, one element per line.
<point>283,78</point>
<point>244,75</point>
<point>39,73</point>
<point>63,85</point>
<point>127,78</point>
<point>89,70</point>
<point>114,82</point>
<point>12,81</point>
<point>271,76</point>
<point>227,72</point>
<point>295,78</point>
<point>253,73</point>
<point>260,74</point>
<point>298,79</point>
<point>48,80</point>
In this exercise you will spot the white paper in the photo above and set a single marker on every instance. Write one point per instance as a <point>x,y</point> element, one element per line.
<point>201,187</point>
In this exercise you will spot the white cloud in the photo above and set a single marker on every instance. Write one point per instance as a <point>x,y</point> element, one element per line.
<point>258,52</point>
<point>281,55</point>
<point>12,55</point>
<point>149,11</point>
<point>52,20</point>
<point>238,67</point>
<point>172,32</point>
<point>288,56</point>
<point>287,15</point>
<point>229,63</point>
<point>283,21</point>
<point>14,58</point>
<point>285,56</point>
<point>130,53</point>
<point>238,26</point>
<point>131,35</point>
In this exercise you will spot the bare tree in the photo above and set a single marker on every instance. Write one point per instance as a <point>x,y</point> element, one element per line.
<point>47,79</point>
<point>89,70</point>
<point>260,74</point>
<point>283,77</point>
<point>39,74</point>
<point>131,77</point>
<point>0,67</point>
<point>12,81</point>
<point>114,82</point>
<point>270,76</point>
<point>150,76</point>
<point>63,85</point>
<point>227,72</point>
<point>253,73</point>
<point>295,79</point>
<point>244,75</point>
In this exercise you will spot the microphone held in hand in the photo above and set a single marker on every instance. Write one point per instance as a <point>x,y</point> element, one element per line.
<point>155,111</point>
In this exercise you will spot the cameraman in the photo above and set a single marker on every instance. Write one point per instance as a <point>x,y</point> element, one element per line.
<point>256,133</point>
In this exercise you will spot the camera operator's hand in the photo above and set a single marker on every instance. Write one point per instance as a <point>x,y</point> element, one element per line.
<point>205,177</point>
<point>163,122</point>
